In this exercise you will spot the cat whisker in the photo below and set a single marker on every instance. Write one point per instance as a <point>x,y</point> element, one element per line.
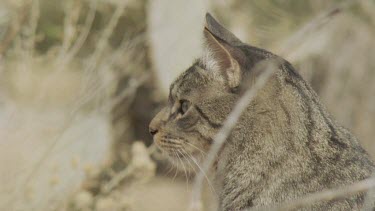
<point>184,155</point>
<point>195,147</point>
<point>176,167</point>
<point>185,170</point>
<point>188,158</point>
<point>191,163</point>
<point>205,175</point>
<point>169,170</point>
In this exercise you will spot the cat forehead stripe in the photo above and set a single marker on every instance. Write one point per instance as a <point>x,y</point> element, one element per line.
<point>180,81</point>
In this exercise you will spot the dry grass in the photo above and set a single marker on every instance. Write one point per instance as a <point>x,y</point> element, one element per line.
<point>54,126</point>
<point>59,70</point>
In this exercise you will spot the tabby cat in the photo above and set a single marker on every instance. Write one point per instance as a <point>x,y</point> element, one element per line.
<point>285,144</point>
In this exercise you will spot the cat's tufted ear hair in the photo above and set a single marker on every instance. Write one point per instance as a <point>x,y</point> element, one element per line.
<point>221,54</point>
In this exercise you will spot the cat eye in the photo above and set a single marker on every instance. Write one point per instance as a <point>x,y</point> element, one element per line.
<point>184,106</point>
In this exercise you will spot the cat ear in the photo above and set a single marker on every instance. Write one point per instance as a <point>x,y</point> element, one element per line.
<point>220,54</point>
<point>220,32</point>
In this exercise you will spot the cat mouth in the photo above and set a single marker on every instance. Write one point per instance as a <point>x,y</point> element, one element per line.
<point>175,148</point>
<point>166,142</point>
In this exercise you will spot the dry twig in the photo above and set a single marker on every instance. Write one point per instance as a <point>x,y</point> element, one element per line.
<point>269,67</point>
<point>326,195</point>
<point>320,20</point>
<point>233,117</point>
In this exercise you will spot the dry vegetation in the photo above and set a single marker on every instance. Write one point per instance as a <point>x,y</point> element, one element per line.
<point>79,81</point>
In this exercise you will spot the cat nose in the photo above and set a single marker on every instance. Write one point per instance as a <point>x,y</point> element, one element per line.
<point>157,122</point>
<point>153,131</point>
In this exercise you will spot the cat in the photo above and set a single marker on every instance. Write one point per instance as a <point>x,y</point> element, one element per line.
<point>285,145</point>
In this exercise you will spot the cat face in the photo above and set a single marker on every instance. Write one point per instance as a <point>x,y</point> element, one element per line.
<point>201,97</point>
<point>197,106</point>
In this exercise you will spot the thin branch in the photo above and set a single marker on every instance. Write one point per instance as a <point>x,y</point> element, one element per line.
<point>94,59</point>
<point>14,29</point>
<point>72,12</point>
<point>233,117</point>
<point>83,35</point>
<point>119,177</point>
<point>31,30</point>
<point>134,84</point>
<point>326,195</point>
<point>320,20</point>
<point>368,203</point>
<point>269,67</point>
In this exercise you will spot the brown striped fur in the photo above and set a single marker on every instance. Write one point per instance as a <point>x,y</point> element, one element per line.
<point>285,145</point>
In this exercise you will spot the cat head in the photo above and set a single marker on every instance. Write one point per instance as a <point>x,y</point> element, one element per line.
<point>201,97</point>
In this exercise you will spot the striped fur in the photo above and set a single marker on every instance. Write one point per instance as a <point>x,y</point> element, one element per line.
<point>285,145</point>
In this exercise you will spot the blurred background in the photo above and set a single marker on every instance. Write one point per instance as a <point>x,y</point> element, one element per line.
<point>80,81</point>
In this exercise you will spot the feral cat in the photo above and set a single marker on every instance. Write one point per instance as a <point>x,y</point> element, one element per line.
<point>285,144</point>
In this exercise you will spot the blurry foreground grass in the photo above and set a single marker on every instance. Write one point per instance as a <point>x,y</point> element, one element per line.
<point>69,70</point>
